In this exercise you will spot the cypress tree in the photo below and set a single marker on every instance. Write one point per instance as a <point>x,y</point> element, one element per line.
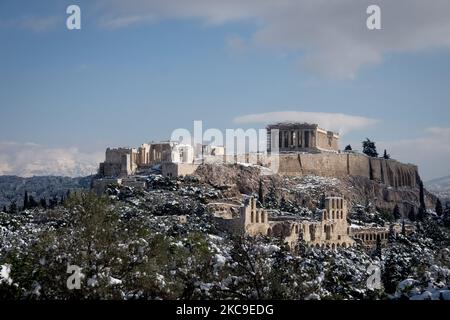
<point>396,212</point>
<point>378,246</point>
<point>412,215</point>
<point>13,207</point>
<point>391,235</point>
<point>421,194</point>
<point>260,192</point>
<point>25,200</point>
<point>31,202</point>
<point>43,203</point>
<point>439,210</point>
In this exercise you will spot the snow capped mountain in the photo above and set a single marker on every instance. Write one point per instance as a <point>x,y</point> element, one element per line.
<point>440,187</point>
<point>29,159</point>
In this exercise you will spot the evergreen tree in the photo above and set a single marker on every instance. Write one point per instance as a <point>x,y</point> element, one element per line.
<point>447,216</point>
<point>439,210</point>
<point>53,202</point>
<point>421,194</point>
<point>422,208</point>
<point>12,207</point>
<point>4,209</point>
<point>421,214</point>
<point>386,155</point>
<point>378,247</point>
<point>396,212</point>
<point>31,202</point>
<point>271,199</point>
<point>348,148</point>
<point>412,215</point>
<point>43,203</point>
<point>369,148</point>
<point>391,235</point>
<point>260,192</point>
<point>25,200</point>
<point>392,274</point>
<point>403,227</point>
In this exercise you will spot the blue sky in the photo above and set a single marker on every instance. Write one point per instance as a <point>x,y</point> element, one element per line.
<point>125,81</point>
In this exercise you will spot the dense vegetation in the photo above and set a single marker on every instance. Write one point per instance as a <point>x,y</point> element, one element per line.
<point>127,252</point>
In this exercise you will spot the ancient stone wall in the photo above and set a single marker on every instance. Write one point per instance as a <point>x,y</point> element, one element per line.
<point>173,170</point>
<point>386,171</point>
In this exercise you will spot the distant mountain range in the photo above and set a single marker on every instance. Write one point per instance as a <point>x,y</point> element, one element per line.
<point>12,188</point>
<point>440,187</point>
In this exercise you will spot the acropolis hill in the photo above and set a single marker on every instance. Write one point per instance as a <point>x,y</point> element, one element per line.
<point>303,150</point>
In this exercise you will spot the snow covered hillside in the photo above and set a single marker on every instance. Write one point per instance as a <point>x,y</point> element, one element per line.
<point>161,242</point>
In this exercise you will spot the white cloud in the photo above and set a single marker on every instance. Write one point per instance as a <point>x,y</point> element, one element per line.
<point>29,159</point>
<point>431,152</point>
<point>329,37</point>
<point>339,122</point>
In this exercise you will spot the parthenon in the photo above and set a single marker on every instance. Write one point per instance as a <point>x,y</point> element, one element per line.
<point>301,137</point>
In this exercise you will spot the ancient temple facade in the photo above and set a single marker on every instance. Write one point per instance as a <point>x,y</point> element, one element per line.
<point>288,137</point>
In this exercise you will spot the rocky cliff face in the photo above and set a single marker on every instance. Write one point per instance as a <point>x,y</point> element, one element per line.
<point>385,171</point>
<point>306,189</point>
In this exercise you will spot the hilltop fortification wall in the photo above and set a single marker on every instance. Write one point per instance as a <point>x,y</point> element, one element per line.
<point>386,171</point>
